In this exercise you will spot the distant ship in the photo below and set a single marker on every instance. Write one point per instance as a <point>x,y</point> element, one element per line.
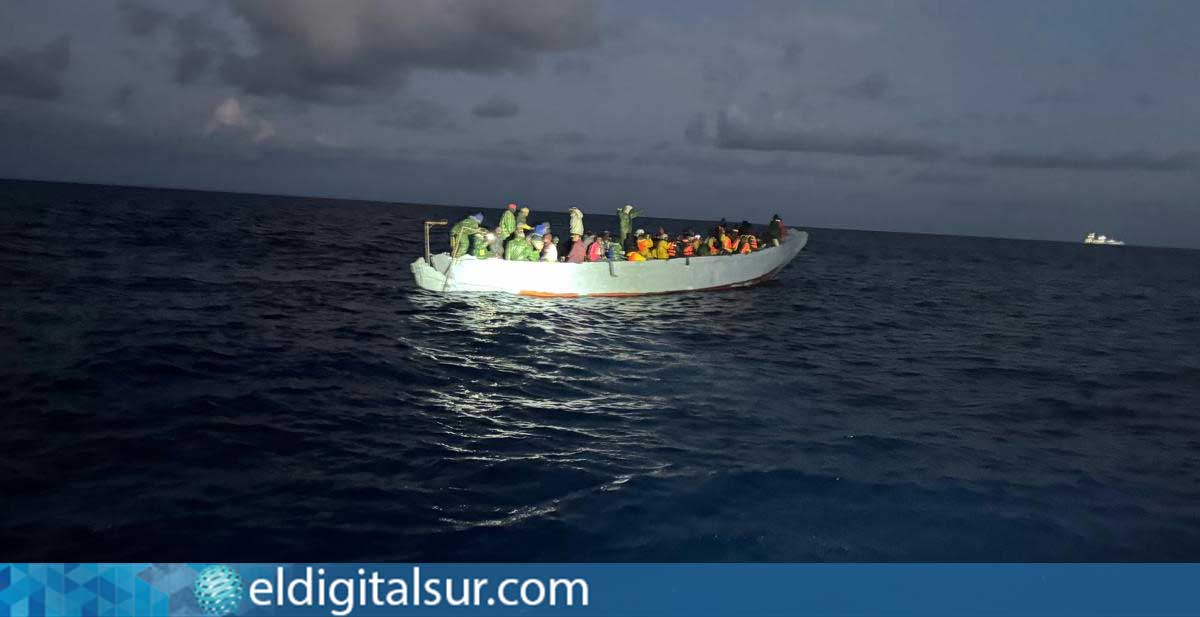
<point>1092,238</point>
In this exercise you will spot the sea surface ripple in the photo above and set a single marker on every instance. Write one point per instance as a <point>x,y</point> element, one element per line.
<point>200,375</point>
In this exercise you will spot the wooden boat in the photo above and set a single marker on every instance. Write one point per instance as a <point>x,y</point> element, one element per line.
<point>441,273</point>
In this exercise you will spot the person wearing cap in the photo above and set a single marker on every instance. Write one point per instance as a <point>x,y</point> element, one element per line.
<point>630,244</point>
<point>626,216</point>
<point>460,234</point>
<point>576,227</point>
<point>508,222</point>
<point>645,245</point>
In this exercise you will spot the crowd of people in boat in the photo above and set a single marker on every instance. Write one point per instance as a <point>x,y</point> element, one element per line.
<point>515,239</point>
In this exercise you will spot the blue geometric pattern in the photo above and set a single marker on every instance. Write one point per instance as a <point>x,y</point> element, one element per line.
<point>99,590</point>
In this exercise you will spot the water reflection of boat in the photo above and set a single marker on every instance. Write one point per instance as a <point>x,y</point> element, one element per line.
<point>1092,238</point>
<point>606,278</point>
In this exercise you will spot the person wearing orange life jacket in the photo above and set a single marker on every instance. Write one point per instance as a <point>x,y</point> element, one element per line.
<point>645,246</point>
<point>726,243</point>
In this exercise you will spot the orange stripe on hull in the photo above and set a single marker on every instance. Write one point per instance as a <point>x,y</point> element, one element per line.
<point>751,282</point>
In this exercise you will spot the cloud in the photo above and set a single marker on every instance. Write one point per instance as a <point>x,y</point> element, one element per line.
<point>142,20</point>
<point>230,115</point>
<point>873,87</point>
<point>938,176</point>
<point>593,157</point>
<point>792,52</point>
<point>122,97</point>
<point>496,107</point>
<point>332,51</point>
<point>696,131</point>
<point>1127,161</point>
<point>35,73</point>
<point>736,133</point>
<point>1056,96</point>
<point>422,115</point>
<point>198,47</point>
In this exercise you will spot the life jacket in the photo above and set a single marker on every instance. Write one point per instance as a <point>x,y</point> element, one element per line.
<point>744,247</point>
<point>644,246</point>
<point>672,250</point>
<point>689,250</point>
<point>726,244</point>
<point>662,250</point>
<point>635,256</point>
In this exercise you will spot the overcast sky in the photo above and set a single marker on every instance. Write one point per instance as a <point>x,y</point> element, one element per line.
<point>1020,119</point>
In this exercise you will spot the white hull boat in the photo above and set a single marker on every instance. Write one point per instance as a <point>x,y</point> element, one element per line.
<point>1102,239</point>
<point>441,273</point>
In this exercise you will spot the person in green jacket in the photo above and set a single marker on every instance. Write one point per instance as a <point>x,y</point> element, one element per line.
<point>508,221</point>
<point>626,214</point>
<point>460,234</point>
<point>519,249</point>
<point>522,218</point>
<point>479,244</point>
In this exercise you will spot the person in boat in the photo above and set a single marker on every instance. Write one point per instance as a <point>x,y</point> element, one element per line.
<point>549,248</point>
<point>460,234</point>
<point>595,248</point>
<point>518,248</point>
<point>481,243</point>
<point>626,215</point>
<point>662,247</point>
<point>508,222</point>
<point>576,226</point>
<point>523,218</point>
<point>645,245</point>
<point>578,252</point>
<point>747,243</point>
<point>776,232</point>
<point>496,241</point>
<point>630,243</point>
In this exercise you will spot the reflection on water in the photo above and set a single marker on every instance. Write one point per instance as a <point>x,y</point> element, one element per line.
<point>261,374</point>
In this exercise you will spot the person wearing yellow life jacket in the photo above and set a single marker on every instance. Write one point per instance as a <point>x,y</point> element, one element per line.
<point>726,244</point>
<point>661,249</point>
<point>645,246</point>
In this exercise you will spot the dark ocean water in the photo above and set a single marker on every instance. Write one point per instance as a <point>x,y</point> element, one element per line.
<point>192,376</point>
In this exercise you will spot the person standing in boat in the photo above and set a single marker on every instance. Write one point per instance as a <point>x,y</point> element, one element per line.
<point>626,216</point>
<point>460,234</point>
<point>523,219</point>
<point>508,222</point>
<point>576,227</point>
<point>776,232</point>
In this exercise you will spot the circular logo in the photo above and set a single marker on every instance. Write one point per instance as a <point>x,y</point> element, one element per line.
<point>218,590</point>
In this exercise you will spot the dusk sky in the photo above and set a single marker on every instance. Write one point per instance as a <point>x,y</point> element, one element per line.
<point>1018,119</point>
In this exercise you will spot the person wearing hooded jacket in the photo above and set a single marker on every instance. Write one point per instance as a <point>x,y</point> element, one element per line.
<point>508,222</point>
<point>776,232</point>
<point>460,234</point>
<point>576,227</point>
<point>519,249</point>
<point>523,219</point>
<point>626,216</point>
